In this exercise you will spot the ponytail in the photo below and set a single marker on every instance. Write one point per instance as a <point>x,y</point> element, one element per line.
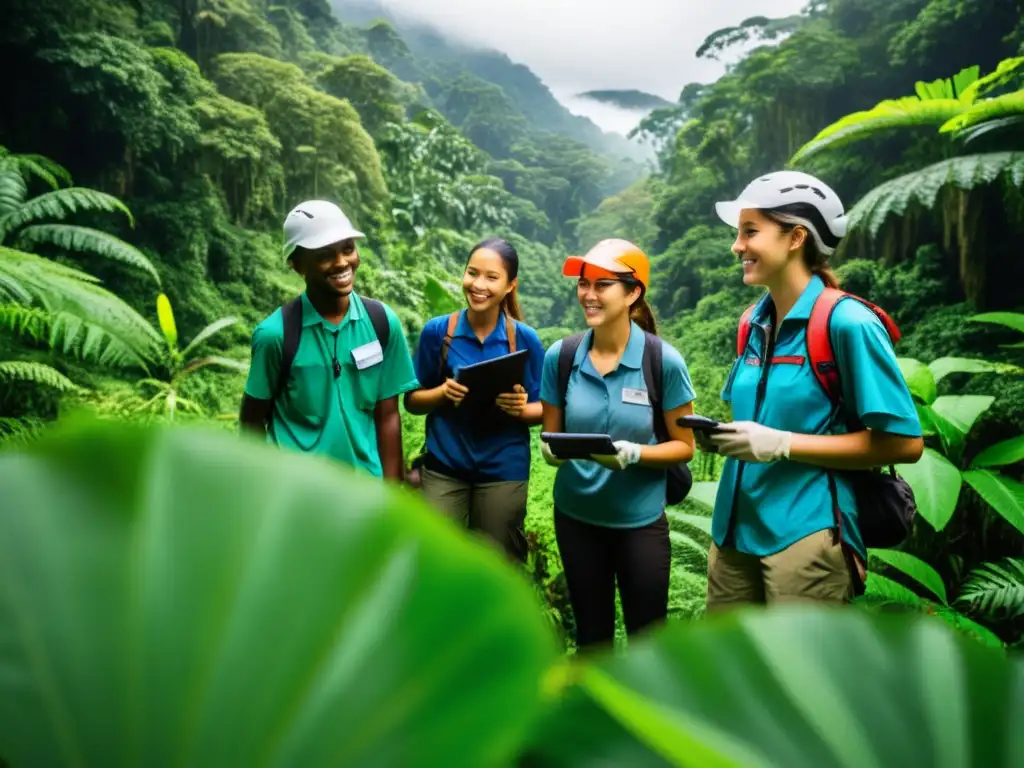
<point>642,314</point>
<point>510,305</point>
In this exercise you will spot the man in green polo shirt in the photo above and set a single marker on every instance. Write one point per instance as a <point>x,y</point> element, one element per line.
<point>340,398</point>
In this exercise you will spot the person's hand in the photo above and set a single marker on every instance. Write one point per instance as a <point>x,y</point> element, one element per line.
<point>750,441</point>
<point>549,458</point>
<point>626,453</point>
<point>454,391</point>
<point>703,441</point>
<point>513,402</point>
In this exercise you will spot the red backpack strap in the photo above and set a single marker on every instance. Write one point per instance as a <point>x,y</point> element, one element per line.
<point>743,334</point>
<point>819,342</point>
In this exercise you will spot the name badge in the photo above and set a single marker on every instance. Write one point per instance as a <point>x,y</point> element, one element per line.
<point>635,396</point>
<point>368,355</point>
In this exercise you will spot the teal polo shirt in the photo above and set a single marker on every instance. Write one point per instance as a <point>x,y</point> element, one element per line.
<point>585,490</point>
<point>761,509</point>
<point>318,413</point>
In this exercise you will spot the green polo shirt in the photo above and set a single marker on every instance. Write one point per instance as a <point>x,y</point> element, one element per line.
<point>321,414</point>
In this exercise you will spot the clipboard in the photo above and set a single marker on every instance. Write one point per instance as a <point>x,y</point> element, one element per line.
<point>490,378</point>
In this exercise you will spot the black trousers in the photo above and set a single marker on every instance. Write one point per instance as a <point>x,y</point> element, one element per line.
<point>595,558</point>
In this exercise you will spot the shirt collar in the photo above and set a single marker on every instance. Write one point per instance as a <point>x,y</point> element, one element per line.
<point>465,330</point>
<point>632,356</point>
<point>311,317</point>
<point>800,311</point>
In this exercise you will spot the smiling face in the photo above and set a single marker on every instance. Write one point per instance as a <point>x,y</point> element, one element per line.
<point>605,300</point>
<point>485,282</point>
<point>764,248</point>
<point>329,270</point>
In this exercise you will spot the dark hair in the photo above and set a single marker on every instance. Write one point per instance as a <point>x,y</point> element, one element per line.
<point>510,260</point>
<point>640,312</point>
<point>786,217</point>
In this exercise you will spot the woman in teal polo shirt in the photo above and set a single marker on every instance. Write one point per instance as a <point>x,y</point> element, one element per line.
<point>476,469</point>
<point>775,526</point>
<point>610,519</point>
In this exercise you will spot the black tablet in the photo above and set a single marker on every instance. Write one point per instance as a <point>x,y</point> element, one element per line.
<point>578,445</point>
<point>700,423</point>
<point>490,378</point>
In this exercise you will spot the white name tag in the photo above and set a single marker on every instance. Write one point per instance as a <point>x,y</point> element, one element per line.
<point>367,355</point>
<point>635,396</point>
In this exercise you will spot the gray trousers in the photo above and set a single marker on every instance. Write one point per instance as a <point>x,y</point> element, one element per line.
<point>497,510</point>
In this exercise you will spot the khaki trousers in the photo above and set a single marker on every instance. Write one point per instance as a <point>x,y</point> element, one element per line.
<point>811,570</point>
<point>496,509</point>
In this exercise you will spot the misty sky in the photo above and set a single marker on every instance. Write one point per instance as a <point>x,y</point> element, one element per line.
<point>579,45</point>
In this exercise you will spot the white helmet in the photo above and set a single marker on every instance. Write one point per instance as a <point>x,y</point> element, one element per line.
<point>314,224</point>
<point>784,188</point>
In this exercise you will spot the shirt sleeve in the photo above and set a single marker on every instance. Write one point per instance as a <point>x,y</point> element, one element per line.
<point>267,352</point>
<point>549,392</point>
<point>397,375</point>
<point>534,365</point>
<point>428,355</point>
<point>873,386</point>
<point>676,387</point>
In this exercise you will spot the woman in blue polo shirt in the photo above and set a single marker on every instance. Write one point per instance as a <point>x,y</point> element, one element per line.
<point>779,533</point>
<point>610,519</point>
<point>476,469</point>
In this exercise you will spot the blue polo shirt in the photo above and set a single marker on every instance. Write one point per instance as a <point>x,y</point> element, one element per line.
<point>764,508</point>
<point>491,455</point>
<point>585,490</point>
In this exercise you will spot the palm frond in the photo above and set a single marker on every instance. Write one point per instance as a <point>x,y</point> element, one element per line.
<point>12,186</point>
<point>86,319</point>
<point>36,373</point>
<point>989,110</point>
<point>87,240</point>
<point>1002,74</point>
<point>907,112</point>
<point>996,590</point>
<point>25,321</point>
<point>60,204</point>
<point>976,131</point>
<point>923,186</point>
<point>211,330</point>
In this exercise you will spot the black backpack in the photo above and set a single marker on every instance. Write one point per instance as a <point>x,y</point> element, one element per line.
<point>678,480</point>
<point>291,314</point>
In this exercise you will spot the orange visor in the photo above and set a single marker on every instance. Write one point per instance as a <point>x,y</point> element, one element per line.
<point>614,259</point>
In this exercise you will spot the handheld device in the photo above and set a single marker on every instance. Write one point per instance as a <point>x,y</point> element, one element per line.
<point>701,423</point>
<point>578,445</point>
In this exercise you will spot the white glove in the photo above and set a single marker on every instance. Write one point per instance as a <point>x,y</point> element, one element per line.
<point>626,453</point>
<point>750,441</point>
<point>550,458</point>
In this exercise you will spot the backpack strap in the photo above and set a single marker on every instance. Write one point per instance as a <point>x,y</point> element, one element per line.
<point>510,332</point>
<point>652,368</point>
<point>291,316</point>
<point>743,333</point>
<point>449,334</point>
<point>566,355</point>
<point>379,318</point>
<point>819,340</point>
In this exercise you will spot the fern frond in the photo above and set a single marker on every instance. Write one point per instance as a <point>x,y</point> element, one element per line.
<point>1000,108</point>
<point>224,362</point>
<point>996,590</point>
<point>42,167</point>
<point>907,112</point>
<point>36,373</point>
<point>20,320</point>
<point>60,204</point>
<point>209,331</point>
<point>12,186</point>
<point>19,431</point>
<point>967,172</point>
<point>87,240</point>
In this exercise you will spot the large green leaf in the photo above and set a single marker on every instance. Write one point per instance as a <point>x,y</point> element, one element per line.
<point>962,410</point>
<point>1007,452</point>
<point>936,484</point>
<point>1005,496</point>
<point>920,379</point>
<point>86,240</point>
<point>944,366</point>
<point>1014,320</point>
<point>915,568</point>
<point>172,597</point>
<point>796,687</point>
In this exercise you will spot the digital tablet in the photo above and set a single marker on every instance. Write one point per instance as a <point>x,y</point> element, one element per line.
<point>578,445</point>
<point>490,378</point>
<point>700,423</point>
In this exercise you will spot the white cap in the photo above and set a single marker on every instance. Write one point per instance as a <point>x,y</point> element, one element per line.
<point>315,224</point>
<point>781,188</point>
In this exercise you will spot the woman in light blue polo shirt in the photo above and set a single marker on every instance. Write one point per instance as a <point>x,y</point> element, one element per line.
<point>610,519</point>
<point>782,532</point>
<point>477,467</point>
